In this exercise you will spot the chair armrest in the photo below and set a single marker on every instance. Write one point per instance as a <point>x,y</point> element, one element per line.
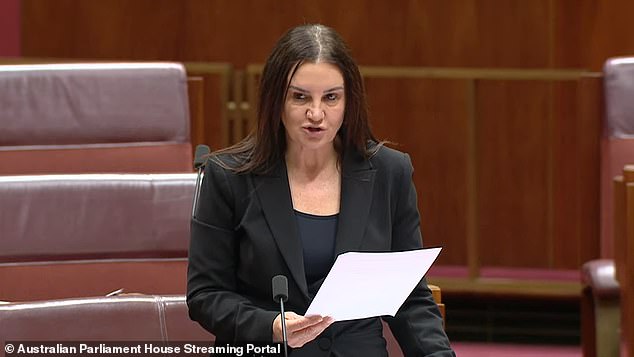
<point>599,276</point>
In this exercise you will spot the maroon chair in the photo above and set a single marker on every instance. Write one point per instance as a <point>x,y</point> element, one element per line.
<point>94,117</point>
<point>87,235</point>
<point>136,318</point>
<point>600,304</point>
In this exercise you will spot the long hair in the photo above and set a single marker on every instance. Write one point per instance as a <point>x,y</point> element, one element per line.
<point>265,146</point>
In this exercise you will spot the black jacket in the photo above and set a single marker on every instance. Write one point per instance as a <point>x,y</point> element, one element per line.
<point>245,233</point>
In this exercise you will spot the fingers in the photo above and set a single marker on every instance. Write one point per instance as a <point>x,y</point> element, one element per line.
<point>277,329</point>
<point>298,322</point>
<point>305,329</point>
<point>293,322</point>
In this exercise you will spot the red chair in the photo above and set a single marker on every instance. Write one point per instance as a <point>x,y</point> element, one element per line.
<point>94,117</point>
<point>601,300</point>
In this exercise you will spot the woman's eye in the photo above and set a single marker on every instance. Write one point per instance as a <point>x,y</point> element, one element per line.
<point>331,97</point>
<point>299,96</point>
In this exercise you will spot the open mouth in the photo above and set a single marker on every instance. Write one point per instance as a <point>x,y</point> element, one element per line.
<point>313,130</point>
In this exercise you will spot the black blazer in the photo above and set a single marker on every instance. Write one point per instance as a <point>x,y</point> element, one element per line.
<point>245,232</point>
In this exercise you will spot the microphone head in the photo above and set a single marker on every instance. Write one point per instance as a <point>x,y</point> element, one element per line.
<point>200,155</point>
<point>280,288</point>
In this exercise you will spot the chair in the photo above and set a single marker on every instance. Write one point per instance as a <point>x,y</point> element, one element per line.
<point>601,299</point>
<point>394,350</point>
<point>130,317</point>
<point>94,117</point>
<point>600,305</point>
<point>624,259</point>
<point>87,235</point>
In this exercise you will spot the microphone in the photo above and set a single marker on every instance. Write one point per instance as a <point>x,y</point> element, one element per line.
<point>200,156</point>
<point>280,294</point>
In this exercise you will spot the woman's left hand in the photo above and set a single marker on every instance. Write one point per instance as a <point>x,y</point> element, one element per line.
<point>300,329</point>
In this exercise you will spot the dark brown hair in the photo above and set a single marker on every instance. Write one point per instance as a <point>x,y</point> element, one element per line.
<point>266,146</point>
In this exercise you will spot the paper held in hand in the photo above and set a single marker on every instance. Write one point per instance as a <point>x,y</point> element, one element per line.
<point>368,284</point>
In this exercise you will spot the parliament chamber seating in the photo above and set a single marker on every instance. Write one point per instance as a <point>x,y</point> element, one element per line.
<point>94,117</point>
<point>129,317</point>
<point>125,317</point>
<point>603,288</point>
<point>90,234</point>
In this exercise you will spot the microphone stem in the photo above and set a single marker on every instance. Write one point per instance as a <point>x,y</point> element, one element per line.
<point>283,319</point>
<point>196,192</point>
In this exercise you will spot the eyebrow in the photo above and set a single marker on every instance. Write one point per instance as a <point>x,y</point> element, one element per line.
<point>299,89</point>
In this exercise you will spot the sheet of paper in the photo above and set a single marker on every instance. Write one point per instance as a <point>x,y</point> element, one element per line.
<point>361,285</point>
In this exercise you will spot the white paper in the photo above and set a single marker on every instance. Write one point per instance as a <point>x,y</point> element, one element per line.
<point>362,285</point>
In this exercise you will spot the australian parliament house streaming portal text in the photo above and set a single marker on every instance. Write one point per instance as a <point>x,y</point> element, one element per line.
<point>143,348</point>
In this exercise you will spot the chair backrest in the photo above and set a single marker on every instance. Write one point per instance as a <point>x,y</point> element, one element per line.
<point>94,117</point>
<point>617,144</point>
<point>135,317</point>
<point>84,235</point>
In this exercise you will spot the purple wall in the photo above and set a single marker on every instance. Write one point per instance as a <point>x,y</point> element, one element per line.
<point>9,28</point>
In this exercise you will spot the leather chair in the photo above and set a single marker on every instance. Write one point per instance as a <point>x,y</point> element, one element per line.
<point>94,117</point>
<point>87,235</point>
<point>600,304</point>
<point>126,317</point>
<point>133,317</point>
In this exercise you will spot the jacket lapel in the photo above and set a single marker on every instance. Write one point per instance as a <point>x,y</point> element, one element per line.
<point>275,198</point>
<point>357,183</point>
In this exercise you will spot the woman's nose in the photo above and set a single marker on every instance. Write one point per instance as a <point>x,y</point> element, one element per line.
<point>315,114</point>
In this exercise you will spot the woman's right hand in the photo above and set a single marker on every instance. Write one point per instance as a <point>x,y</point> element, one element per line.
<point>300,329</point>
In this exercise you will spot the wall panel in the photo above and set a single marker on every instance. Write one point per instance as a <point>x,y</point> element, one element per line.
<point>469,33</point>
<point>428,118</point>
<point>10,28</point>
<point>587,32</point>
<point>513,177</point>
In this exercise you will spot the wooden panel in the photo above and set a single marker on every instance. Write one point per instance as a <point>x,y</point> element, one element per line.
<point>627,293</point>
<point>195,96</point>
<point>619,228</point>
<point>9,28</point>
<point>565,245</point>
<point>624,251</point>
<point>428,118</point>
<point>576,129</point>
<point>513,142</point>
<point>538,165</point>
<point>213,131</point>
<point>117,29</point>
<point>589,116</point>
<point>587,32</point>
<point>471,33</point>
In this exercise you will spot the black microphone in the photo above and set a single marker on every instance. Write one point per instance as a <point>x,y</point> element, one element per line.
<point>200,156</point>
<point>280,294</point>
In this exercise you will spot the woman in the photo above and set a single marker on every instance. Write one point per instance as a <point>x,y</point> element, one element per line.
<point>310,183</point>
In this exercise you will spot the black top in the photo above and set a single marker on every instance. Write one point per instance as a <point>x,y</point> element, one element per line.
<point>318,242</point>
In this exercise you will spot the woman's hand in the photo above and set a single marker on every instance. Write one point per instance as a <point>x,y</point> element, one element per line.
<point>300,329</point>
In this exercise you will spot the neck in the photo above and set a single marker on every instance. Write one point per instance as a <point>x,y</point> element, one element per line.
<point>310,163</point>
